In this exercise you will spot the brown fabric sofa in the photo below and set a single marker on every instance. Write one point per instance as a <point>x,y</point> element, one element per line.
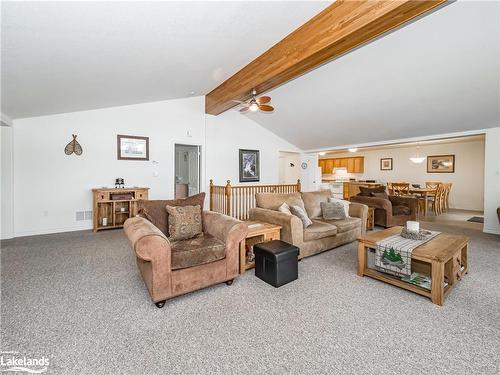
<point>396,210</point>
<point>322,234</point>
<point>171,269</point>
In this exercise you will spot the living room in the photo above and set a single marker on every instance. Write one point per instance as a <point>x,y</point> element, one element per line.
<point>250,260</point>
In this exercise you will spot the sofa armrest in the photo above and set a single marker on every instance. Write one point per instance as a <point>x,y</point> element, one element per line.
<point>359,210</point>
<point>292,229</point>
<point>148,242</point>
<point>229,230</point>
<point>380,203</point>
<point>410,202</point>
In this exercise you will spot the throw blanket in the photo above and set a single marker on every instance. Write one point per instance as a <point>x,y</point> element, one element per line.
<point>393,254</point>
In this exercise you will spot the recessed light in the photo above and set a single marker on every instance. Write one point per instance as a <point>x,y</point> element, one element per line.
<point>323,153</point>
<point>192,93</point>
<point>354,149</point>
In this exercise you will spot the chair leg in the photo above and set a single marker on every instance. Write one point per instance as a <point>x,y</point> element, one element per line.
<point>229,282</point>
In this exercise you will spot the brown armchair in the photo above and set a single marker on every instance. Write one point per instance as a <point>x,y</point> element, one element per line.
<point>171,269</point>
<point>396,210</point>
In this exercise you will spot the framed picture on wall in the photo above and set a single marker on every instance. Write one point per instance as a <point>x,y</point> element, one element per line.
<point>249,165</point>
<point>131,147</point>
<point>441,164</point>
<point>386,164</point>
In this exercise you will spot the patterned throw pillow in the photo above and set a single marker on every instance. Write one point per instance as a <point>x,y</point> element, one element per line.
<point>184,222</point>
<point>343,202</point>
<point>285,208</point>
<point>301,214</point>
<point>333,211</point>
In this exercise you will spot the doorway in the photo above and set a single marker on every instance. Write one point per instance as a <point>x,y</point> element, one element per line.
<point>187,170</point>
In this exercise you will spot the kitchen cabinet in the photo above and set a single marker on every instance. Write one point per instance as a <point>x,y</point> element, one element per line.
<point>354,164</point>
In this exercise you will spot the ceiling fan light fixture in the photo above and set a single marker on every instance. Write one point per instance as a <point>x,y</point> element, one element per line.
<point>254,107</point>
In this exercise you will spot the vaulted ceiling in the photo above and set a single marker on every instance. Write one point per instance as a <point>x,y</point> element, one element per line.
<point>436,75</point>
<point>68,56</point>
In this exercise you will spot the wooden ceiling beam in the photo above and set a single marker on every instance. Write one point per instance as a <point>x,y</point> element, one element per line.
<point>338,29</point>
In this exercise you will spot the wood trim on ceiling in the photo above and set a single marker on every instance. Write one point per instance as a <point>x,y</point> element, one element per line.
<point>338,29</point>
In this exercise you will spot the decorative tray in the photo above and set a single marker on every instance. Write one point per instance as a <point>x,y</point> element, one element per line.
<point>421,235</point>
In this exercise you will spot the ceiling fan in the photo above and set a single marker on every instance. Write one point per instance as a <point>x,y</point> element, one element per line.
<point>256,104</point>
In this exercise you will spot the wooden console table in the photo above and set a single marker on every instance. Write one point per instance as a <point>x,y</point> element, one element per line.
<point>443,258</point>
<point>258,232</point>
<point>115,205</point>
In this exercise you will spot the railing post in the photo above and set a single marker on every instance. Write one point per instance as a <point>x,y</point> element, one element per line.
<point>228,198</point>
<point>211,195</point>
<point>298,185</point>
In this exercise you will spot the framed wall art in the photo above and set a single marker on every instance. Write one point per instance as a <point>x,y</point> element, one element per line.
<point>249,165</point>
<point>441,164</point>
<point>131,147</point>
<point>386,164</point>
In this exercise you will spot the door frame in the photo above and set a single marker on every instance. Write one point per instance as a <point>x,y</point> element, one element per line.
<point>199,164</point>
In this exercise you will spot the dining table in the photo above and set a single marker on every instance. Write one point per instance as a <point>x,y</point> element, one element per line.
<point>423,193</point>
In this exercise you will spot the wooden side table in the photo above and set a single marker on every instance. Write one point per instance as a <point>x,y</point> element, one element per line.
<point>258,232</point>
<point>370,222</point>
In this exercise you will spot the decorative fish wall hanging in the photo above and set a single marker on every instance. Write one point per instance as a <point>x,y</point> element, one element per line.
<point>73,146</point>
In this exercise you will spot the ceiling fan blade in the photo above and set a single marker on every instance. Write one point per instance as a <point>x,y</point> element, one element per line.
<point>266,108</point>
<point>244,109</point>
<point>263,100</point>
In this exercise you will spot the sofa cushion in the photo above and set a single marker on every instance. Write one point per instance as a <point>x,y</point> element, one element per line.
<point>157,214</point>
<point>312,201</point>
<point>184,222</point>
<point>344,203</point>
<point>345,225</point>
<point>380,195</point>
<point>301,214</point>
<point>400,210</point>
<point>272,201</point>
<point>196,251</point>
<point>367,191</point>
<point>319,229</point>
<point>333,210</point>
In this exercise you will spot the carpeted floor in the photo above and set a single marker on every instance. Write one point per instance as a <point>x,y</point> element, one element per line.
<point>78,298</point>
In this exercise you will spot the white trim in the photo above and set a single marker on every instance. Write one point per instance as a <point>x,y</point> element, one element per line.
<point>5,120</point>
<point>53,230</point>
<point>403,140</point>
<point>491,231</point>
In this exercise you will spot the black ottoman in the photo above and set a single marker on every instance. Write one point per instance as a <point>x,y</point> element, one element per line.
<point>276,262</point>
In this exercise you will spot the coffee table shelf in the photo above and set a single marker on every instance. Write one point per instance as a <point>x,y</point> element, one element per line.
<point>443,258</point>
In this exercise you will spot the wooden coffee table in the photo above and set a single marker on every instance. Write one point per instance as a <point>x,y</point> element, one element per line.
<point>444,258</point>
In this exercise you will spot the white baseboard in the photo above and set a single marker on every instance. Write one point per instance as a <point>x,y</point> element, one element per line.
<point>491,230</point>
<point>52,230</point>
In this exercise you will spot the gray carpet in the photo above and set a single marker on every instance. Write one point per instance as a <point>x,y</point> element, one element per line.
<point>78,298</point>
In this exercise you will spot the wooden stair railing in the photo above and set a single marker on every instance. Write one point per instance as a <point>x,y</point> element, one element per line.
<point>236,201</point>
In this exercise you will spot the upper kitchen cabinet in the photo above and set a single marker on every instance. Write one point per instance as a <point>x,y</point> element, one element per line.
<point>353,164</point>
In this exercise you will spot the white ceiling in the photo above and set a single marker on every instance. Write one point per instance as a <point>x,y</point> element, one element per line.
<point>69,56</point>
<point>439,74</point>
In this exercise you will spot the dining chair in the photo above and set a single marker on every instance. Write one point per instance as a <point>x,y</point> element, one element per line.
<point>400,188</point>
<point>447,191</point>
<point>437,201</point>
<point>432,185</point>
<point>390,191</point>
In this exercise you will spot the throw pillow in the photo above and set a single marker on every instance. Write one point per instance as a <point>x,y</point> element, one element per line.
<point>343,202</point>
<point>285,208</point>
<point>301,214</point>
<point>184,222</point>
<point>333,211</point>
<point>155,212</point>
<point>367,191</point>
<point>380,195</point>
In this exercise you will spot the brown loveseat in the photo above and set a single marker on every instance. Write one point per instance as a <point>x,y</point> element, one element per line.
<point>171,269</point>
<point>395,210</point>
<point>322,234</point>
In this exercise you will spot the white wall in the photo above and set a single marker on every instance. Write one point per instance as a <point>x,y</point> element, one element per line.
<point>230,131</point>
<point>492,181</point>
<point>49,186</point>
<point>289,167</point>
<point>6,186</point>
<point>468,179</point>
